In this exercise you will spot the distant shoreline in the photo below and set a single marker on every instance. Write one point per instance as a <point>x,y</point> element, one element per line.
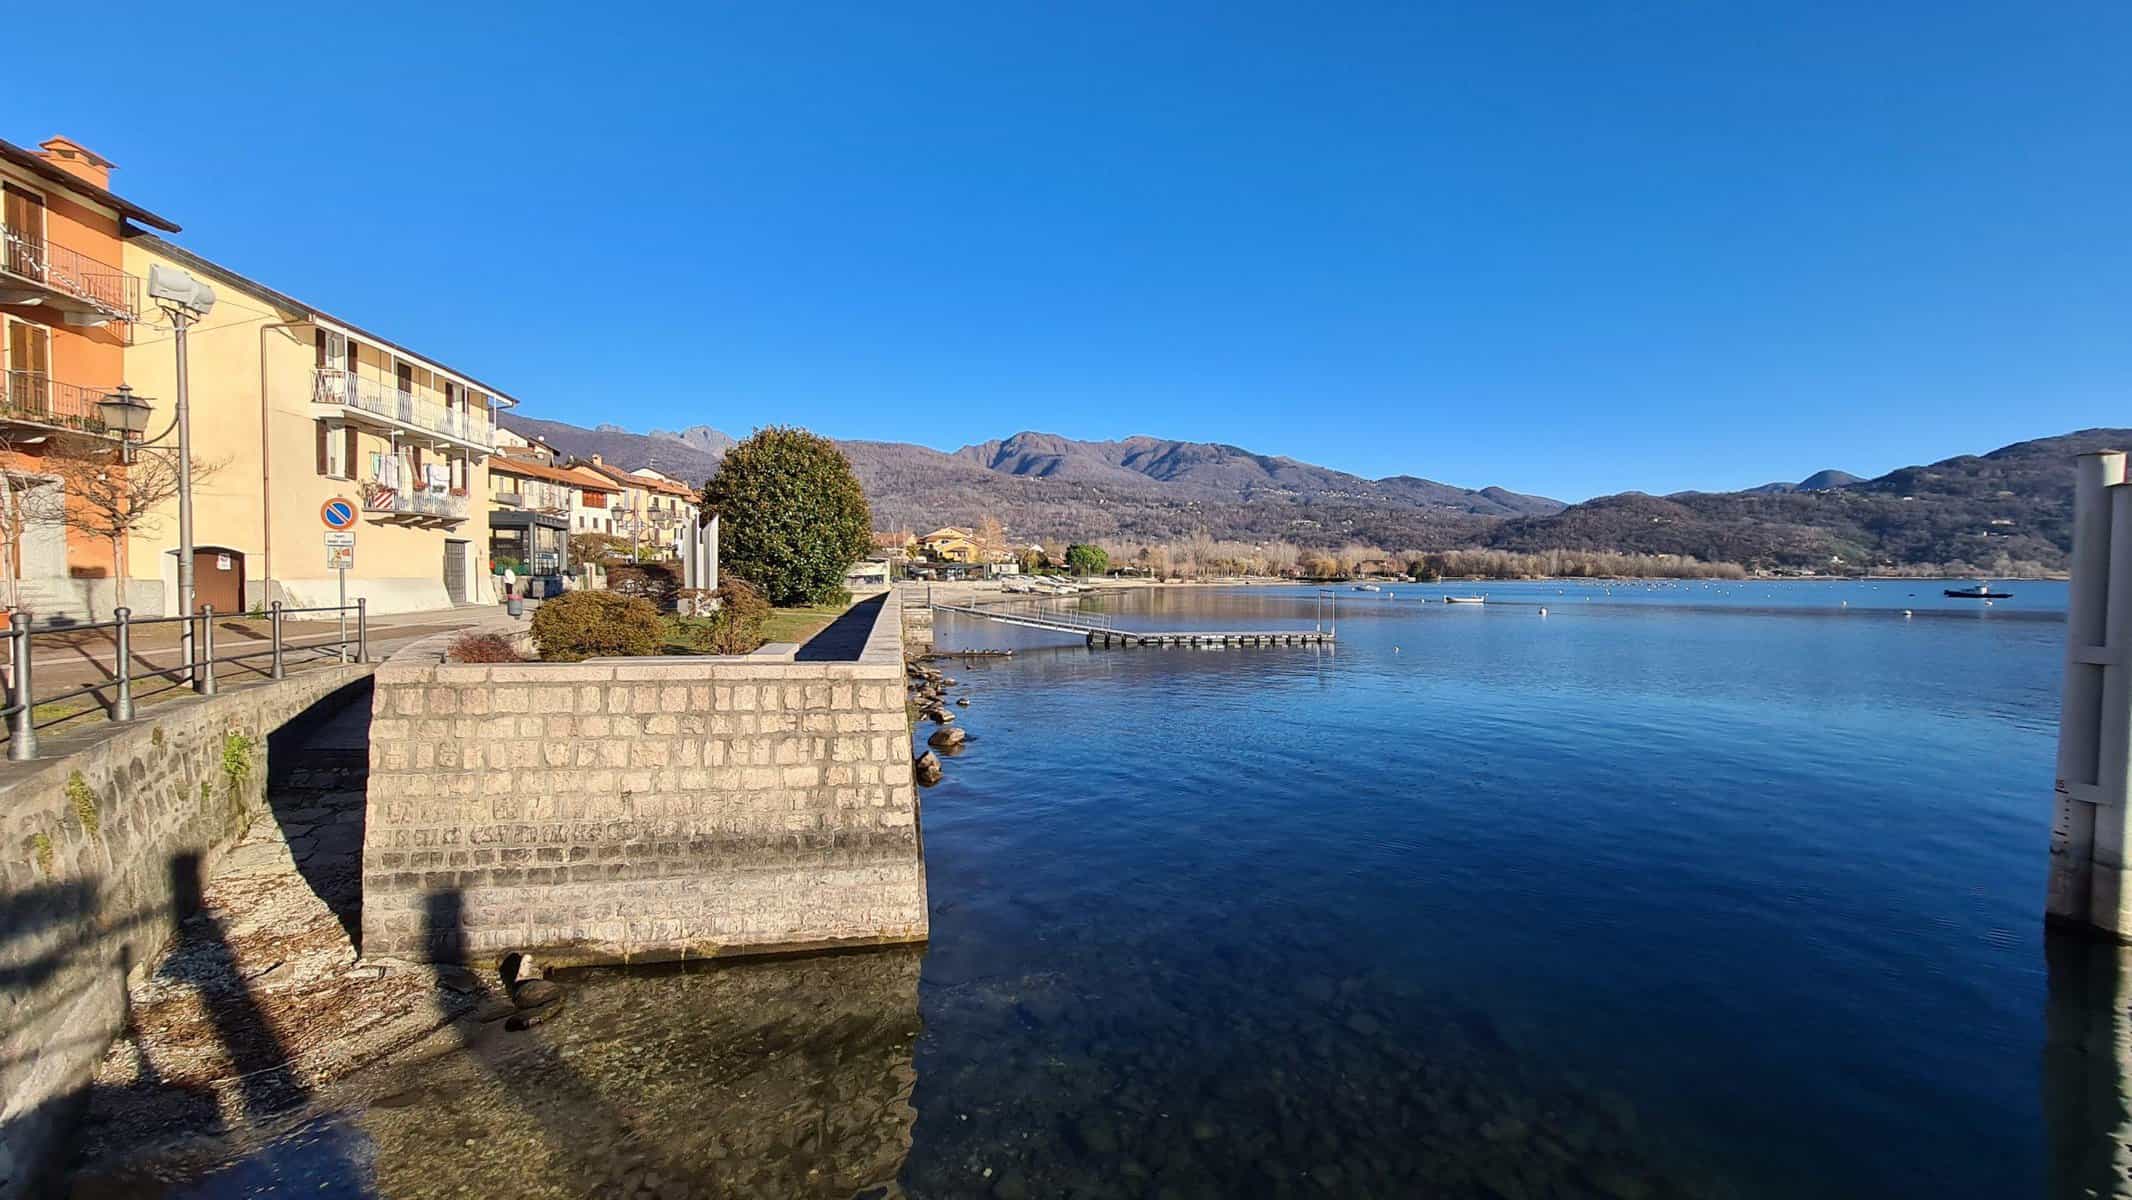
<point>1273,581</point>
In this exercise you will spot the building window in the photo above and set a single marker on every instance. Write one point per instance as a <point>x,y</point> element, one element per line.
<point>337,450</point>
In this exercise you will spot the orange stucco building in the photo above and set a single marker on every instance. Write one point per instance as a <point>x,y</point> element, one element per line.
<point>67,313</point>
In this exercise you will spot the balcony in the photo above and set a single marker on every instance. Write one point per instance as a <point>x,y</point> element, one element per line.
<point>34,398</point>
<point>34,271</point>
<point>470,427</point>
<point>420,506</point>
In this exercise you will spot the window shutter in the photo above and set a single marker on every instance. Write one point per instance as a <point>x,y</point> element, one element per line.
<point>323,464</point>
<point>350,449</point>
<point>318,344</point>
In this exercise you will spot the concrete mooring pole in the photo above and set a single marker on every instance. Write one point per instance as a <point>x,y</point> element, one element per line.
<point>2095,720</point>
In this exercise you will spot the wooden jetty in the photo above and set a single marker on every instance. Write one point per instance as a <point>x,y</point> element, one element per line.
<point>1100,631</point>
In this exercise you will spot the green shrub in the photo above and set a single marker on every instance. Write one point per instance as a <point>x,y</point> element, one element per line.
<point>1084,559</point>
<point>236,761</point>
<point>579,625</point>
<point>792,516</point>
<point>736,628</point>
<point>84,802</point>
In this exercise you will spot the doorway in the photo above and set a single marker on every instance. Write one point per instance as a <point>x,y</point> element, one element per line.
<point>217,579</point>
<point>455,570</point>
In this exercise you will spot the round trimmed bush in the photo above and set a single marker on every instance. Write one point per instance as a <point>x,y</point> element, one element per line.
<point>792,516</point>
<point>579,625</point>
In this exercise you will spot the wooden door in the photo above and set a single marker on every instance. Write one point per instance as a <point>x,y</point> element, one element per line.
<point>24,215</point>
<point>29,368</point>
<point>217,579</point>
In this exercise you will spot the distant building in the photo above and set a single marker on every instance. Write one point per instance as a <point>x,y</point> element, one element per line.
<point>530,506</point>
<point>950,544</point>
<point>649,508</point>
<point>867,577</point>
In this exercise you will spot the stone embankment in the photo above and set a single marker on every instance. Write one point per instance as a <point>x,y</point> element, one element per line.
<point>112,833</point>
<point>625,810</point>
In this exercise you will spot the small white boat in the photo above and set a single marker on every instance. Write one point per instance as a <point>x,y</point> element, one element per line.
<point>1465,599</point>
<point>1367,587</point>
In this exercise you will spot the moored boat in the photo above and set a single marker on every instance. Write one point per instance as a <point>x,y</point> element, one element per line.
<point>1981,591</point>
<point>1465,599</point>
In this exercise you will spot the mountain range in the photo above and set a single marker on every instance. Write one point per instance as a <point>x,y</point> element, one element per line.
<point>2004,512</point>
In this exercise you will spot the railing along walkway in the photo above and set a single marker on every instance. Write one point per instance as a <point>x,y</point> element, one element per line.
<point>197,660</point>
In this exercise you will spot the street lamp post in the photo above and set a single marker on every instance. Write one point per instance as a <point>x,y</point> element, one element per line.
<point>185,300</point>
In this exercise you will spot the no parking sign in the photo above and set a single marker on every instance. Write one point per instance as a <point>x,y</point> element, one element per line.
<point>337,513</point>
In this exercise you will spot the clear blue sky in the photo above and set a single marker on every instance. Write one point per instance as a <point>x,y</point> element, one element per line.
<point>1568,248</point>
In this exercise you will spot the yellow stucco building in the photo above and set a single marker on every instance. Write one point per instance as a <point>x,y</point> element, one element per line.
<point>291,408</point>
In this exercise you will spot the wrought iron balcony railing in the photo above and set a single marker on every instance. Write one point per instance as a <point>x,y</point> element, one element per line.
<point>386,400</point>
<point>111,290</point>
<point>414,502</point>
<point>37,398</point>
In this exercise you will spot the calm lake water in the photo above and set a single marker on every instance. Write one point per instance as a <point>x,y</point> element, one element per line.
<point>1685,889</point>
<point>1726,890</point>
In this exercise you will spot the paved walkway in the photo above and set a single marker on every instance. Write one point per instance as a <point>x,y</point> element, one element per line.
<point>844,638</point>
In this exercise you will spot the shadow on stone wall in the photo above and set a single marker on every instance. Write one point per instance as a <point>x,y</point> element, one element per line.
<point>115,838</point>
<point>261,1080</point>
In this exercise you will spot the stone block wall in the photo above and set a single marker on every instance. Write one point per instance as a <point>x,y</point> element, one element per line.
<point>917,616</point>
<point>109,836</point>
<point>641,809</point>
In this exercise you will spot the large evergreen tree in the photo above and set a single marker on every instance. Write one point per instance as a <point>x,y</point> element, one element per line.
<point>792,516</point>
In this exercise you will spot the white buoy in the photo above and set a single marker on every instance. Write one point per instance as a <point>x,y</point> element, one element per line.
<point>1906,612</point>
<point>1543,612</point>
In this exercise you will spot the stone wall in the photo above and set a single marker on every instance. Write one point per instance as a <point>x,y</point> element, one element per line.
<point>641,809</point>
<point>110,835</point>
<point>917,615</point>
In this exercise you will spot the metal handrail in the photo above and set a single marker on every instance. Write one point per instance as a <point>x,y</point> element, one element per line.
<point>197,664</point>
<point>37,398</point>
<point>335,385</point>
<point>116,291</point>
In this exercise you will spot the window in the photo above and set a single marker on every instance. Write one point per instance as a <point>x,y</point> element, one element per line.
<point>338,450</point>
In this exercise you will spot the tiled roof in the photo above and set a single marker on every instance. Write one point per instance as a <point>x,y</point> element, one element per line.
<point>529,469</point>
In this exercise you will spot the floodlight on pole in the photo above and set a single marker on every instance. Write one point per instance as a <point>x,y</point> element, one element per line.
<point>173,288</point>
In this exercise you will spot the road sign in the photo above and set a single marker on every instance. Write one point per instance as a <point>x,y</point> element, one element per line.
<point>337,513</point>
<point>340,558</point>
<point>340,537</point>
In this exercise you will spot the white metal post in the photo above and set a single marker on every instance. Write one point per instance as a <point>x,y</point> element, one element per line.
<point>2085,779</point>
